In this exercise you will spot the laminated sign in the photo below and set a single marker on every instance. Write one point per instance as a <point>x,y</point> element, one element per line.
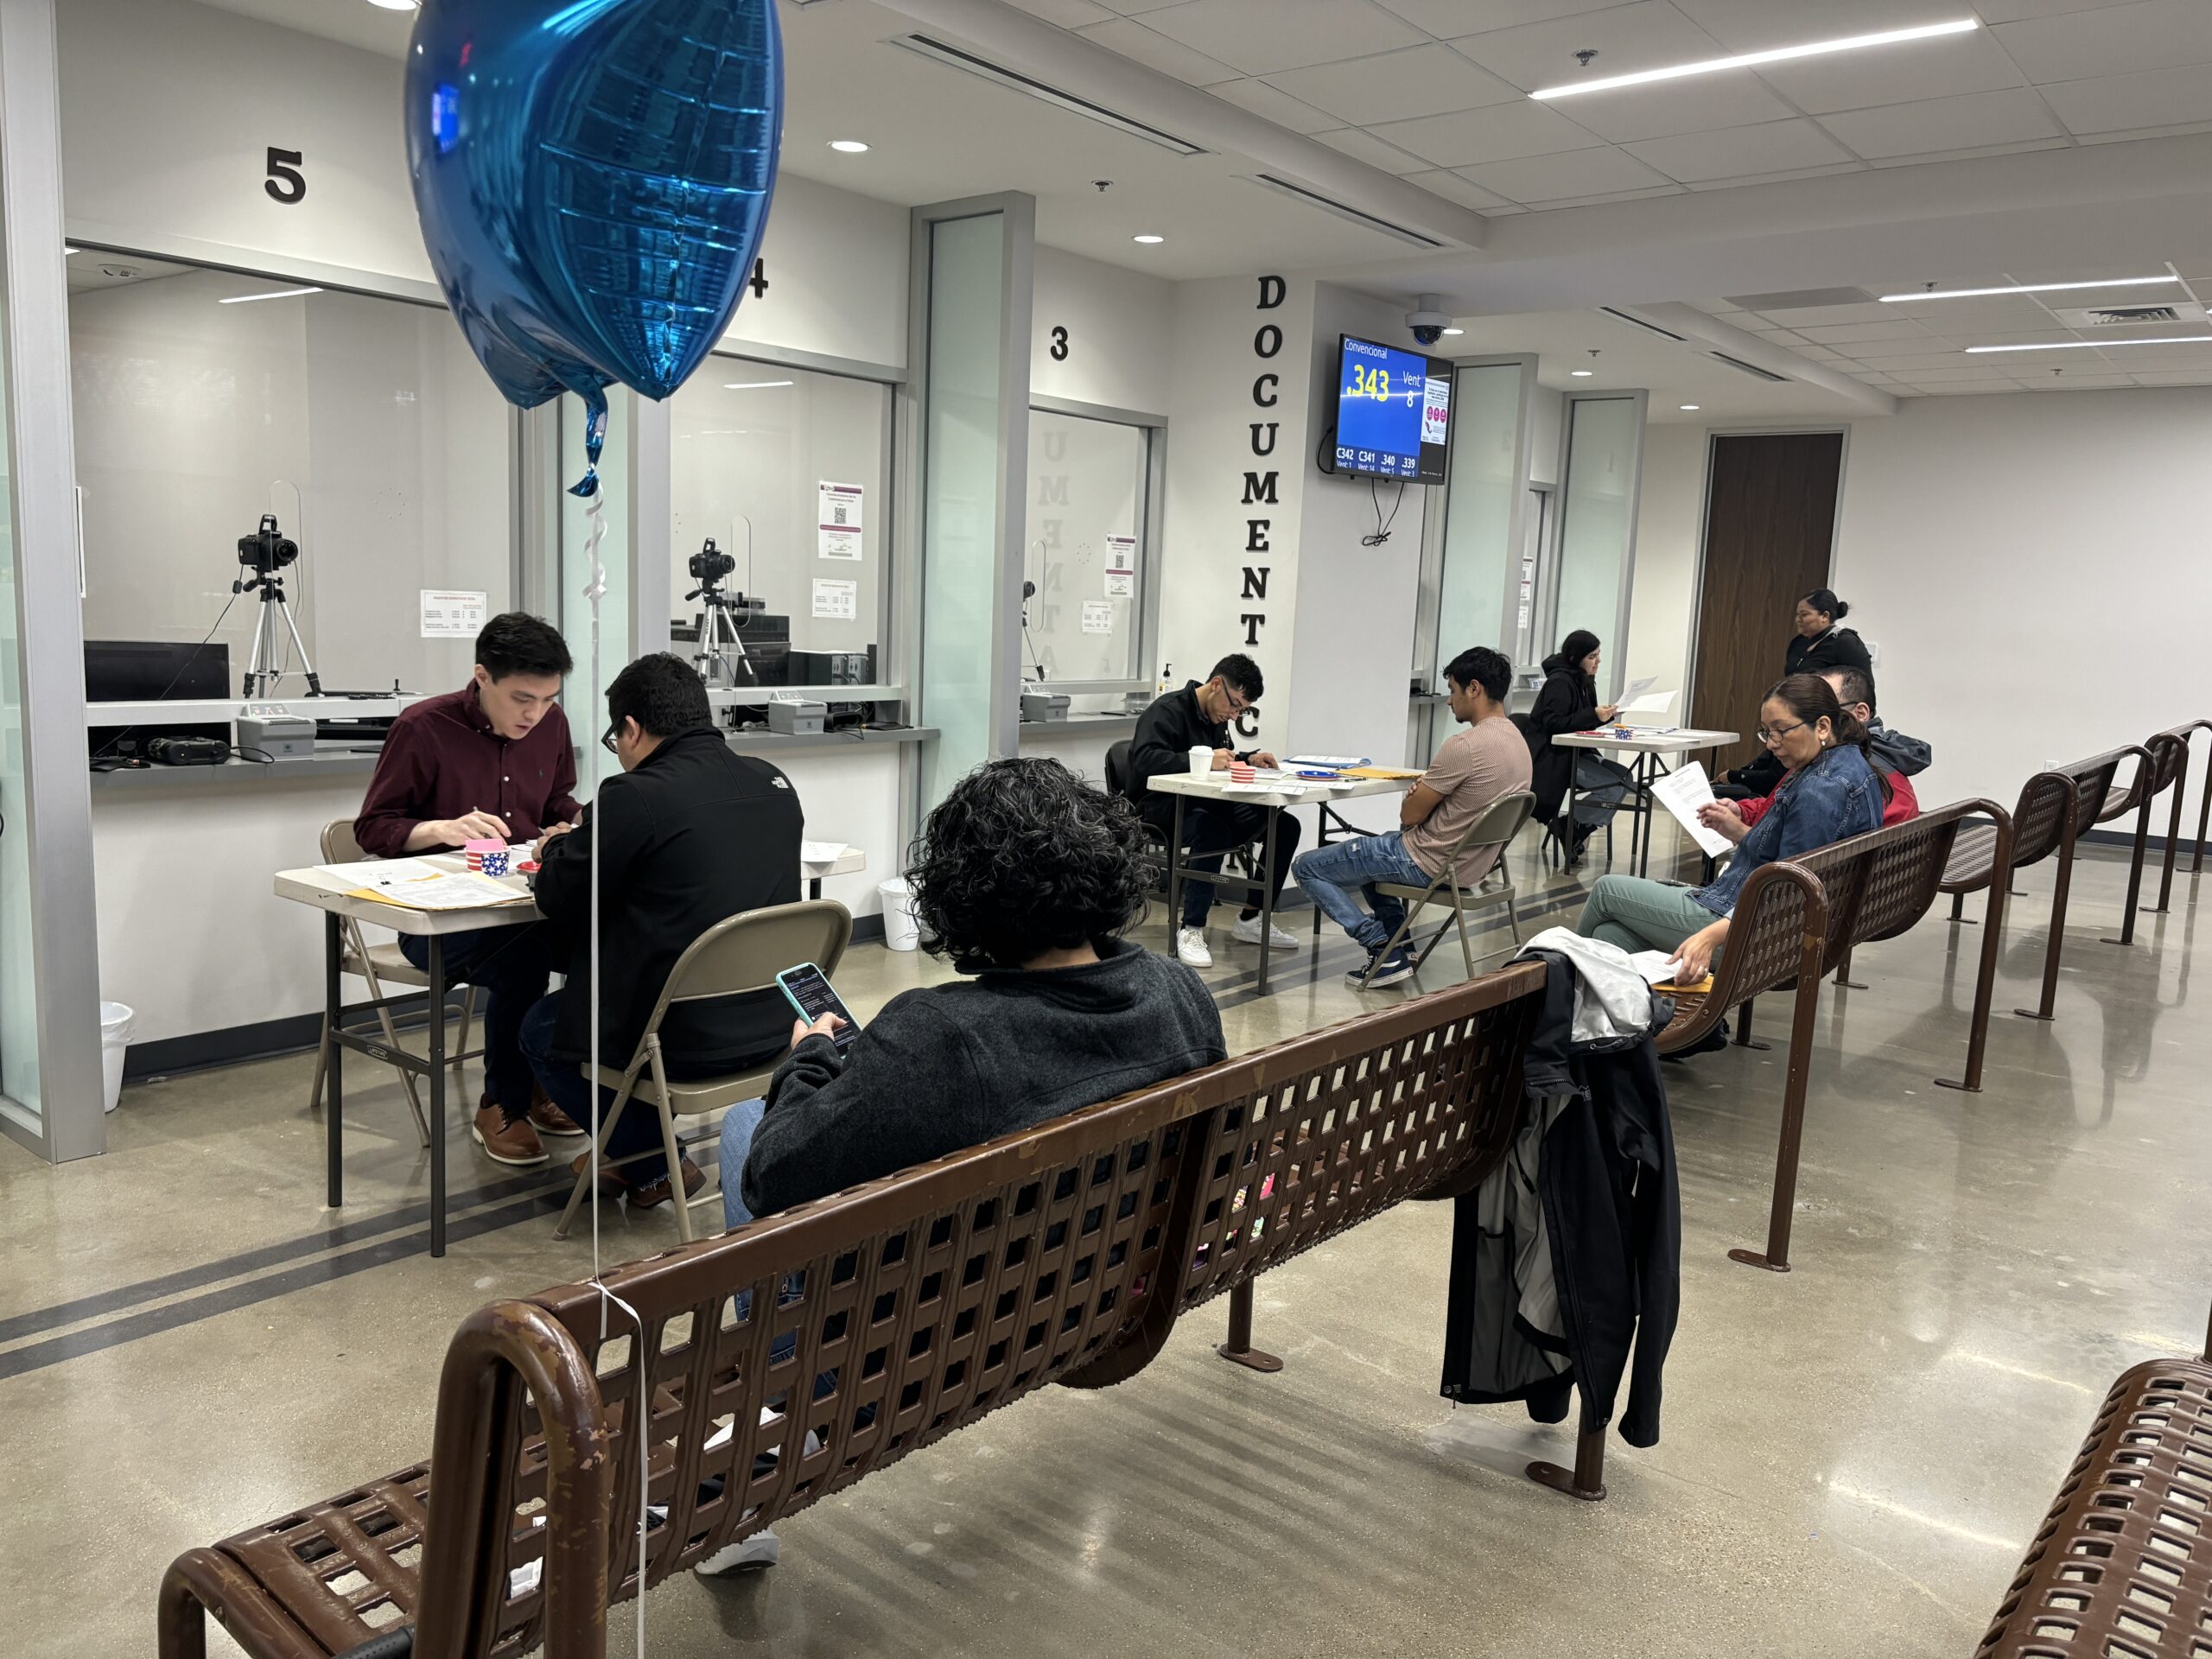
<point>449,615</point>
<point>837,531</point>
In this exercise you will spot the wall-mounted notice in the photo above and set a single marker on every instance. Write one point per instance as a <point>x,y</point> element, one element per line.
<point>838,530</point>
<point>838,601</point>
<point>452,615</point>
<point>1098,616</point>
<point>1120,567</point>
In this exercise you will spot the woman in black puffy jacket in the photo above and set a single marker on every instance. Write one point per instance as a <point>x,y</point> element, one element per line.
<point>1818,640</point>
<point>1568,703</point>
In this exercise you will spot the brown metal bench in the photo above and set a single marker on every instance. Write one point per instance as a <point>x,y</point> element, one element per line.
<point>1061,1255</point>
<point>1796,921</point>
<point>2167,769</point>
<point>2122,1566</point>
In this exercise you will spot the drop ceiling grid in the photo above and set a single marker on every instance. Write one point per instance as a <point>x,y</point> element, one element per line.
<point>1365,74</point>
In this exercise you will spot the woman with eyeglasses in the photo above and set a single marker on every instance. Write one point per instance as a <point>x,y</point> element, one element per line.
<point>1830,790</point>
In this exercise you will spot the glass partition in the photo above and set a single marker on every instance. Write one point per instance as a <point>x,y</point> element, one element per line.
<point>787,472</point>
<point>204,400</point>
<point>1489,477</point>
<point>1085,549</point>
<point>572,612</point>
<point>1597,535</point>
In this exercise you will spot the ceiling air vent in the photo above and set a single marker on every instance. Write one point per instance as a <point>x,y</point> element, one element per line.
<point>938,52</point>
<point>1342,210</point>
<point>2093,317</point>
<point>1752,369</point>
<point>1648,328</point>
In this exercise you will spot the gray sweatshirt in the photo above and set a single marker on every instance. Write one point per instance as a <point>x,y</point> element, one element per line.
<point>954,1065</point>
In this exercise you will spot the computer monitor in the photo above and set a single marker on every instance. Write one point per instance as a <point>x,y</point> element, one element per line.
<point>153,670</point>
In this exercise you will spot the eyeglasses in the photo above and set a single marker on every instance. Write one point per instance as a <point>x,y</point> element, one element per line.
<point>1237,704</point>
<point>607,742</point>
<point>1772,735</point>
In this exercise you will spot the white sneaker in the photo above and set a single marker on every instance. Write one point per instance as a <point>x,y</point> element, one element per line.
<point>1247,931</point>
<point>761,1550</point>
<point>1190,947</point>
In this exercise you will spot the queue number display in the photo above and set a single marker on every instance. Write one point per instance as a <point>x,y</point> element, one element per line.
<point>1394,412</point>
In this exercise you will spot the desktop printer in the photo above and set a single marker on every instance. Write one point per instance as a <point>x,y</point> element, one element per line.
<point>798,716</point>
<point>1039,704</point>
<point>273,731</point>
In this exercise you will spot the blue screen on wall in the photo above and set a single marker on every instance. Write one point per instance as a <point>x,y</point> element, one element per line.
<point>1394,411</point>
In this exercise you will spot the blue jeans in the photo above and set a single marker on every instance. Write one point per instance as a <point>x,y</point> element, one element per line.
<point>511,966</point>
<point>1332,877</point>
<point>738,1126</point>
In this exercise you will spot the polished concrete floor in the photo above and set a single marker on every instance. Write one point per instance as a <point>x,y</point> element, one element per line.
<point>1854,1455</point>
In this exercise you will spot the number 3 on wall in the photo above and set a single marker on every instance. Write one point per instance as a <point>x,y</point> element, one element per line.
<point>285,182</point>
<point>1059,345</point>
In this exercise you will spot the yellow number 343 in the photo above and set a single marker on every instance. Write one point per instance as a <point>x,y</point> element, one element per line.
<point>1370,383</point>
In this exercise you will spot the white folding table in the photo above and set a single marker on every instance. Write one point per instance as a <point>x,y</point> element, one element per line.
<point>1645,770</point>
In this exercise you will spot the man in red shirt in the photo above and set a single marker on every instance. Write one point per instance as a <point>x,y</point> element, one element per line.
<point>1896,755</point>
<point>491,759</point>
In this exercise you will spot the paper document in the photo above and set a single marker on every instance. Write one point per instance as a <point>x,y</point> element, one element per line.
<point>1328,759</point>
<point>1661,703</point>
<point>1397,774</point>
<point>378,872</point>
<point>1637,688</point>
<point>437,890</point>
<point>1682,791</point>
<point>821,852</point>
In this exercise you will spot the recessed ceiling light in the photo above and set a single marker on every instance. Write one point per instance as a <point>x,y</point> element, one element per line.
<point>1455,331</point>
<point>2085,344</point>
<point>1746,61</point>
<point>849,146</point>
<point>67,251</point>
<point>273,294</point>
<point>2022,288</point>
<point>399,5</point>
<point>1148,240</point>
<point>752,386</point>
<point>1688,409</point>
<point>1582,374</point>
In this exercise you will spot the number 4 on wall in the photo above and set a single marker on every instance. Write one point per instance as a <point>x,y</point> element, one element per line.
<point>285,182</point>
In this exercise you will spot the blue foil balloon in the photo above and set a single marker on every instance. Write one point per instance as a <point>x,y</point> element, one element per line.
<point>592,177</point>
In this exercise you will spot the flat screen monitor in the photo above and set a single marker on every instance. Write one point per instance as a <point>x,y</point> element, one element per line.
<point>1394,411</point>
<point>153,670</point>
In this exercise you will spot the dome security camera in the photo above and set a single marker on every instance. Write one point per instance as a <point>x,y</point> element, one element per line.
<point>1429,322</point>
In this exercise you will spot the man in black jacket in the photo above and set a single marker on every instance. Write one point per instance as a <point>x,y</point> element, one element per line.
<point>689,834</point>
<point>1198,717</point>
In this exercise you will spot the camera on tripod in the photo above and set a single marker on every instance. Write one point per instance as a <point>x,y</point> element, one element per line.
<point>269,550</point>
<point>708,565</point>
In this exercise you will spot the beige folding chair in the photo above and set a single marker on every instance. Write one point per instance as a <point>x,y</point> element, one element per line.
<point>741,954</point>
<point>1494,826</point>
<point>378,963</point>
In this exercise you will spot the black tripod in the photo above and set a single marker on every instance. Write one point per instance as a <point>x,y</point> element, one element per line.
<point>265,553</point>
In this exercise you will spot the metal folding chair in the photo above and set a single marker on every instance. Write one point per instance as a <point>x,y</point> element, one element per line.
<point>1495,825</point>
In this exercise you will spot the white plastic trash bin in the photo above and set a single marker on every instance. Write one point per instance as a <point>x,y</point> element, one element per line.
<point>116,1020</point>
<point>900,930</point>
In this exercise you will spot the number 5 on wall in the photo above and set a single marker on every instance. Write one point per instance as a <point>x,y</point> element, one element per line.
<point>285,182</point>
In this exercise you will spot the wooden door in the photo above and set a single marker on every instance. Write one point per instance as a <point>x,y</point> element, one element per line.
<point>1769,525</point>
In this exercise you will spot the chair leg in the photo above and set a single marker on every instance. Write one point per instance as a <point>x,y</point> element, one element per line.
<point>668,1142</point>
<point>1466,950</point>
<point>467,1016</point>
<point>578,1192</point>
<point>1512,919</point>
<point>407,1078</point>
<point>321,1066</point>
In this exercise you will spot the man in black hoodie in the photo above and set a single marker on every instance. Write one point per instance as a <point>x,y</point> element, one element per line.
<point>1198,717</point>
<point>690,833</point>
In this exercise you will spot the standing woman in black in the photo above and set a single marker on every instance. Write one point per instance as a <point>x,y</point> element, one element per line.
<point>1568,703</point>
<point>1818,640</point>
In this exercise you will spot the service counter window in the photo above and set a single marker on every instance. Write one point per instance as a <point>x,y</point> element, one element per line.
<point>1086,552</point>
<point>207,404</point>
<point>782,519</point>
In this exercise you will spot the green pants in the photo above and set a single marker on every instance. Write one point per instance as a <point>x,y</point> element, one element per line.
<point>1641,915</point>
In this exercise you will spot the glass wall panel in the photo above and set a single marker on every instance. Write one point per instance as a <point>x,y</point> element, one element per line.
<point>1083,546</point>
<point>19,1060</point>
<point>1480,499</point>
<point>204,400</point>
<point>788,471</point>
<point>1598,522</point>
<point>960,496</point>
<point>587,717</point>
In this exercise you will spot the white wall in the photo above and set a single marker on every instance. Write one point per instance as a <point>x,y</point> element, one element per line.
<point>1547,422</point>
<point>1666,525</point>
<point>2031,564</point>
<point>1120,331</point>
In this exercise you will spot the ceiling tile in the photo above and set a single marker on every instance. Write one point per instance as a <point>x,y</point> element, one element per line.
<point>1364,147</point>
<point>1450,186</point>
<point>1261,37</point>
<point>1822,354</point>
<point>1852,334</point>
<point>1497,133</point>
<point>1895,74</point>
<point>2115,41</point>
<point>1782,177</point>
<point>1141,45</point>
<point>1269,105</point>
<point>1603,197</point>
<point>1975,153</point>
<point>1395,86</point>
<point>1938,123</point>
<point>2046,336</point>
<point>2124,103</point>
<point>1798,317</point>
<point>2006,11</point>
<point>1757,25</point>
<point>1445,18</point>
<point>1779,336</point>
<point>1134,8</point>
<point>1907,362</point>
<point>1740,152</point>
<point>1958,389</point>
<point>2175,377</point>
<point>1937,377</point>
<point>1561,177</point>
<point>2071,382</point>
<point>1647,34</point>
<point>2128,134</point>
<point>1660,110</point>
<point>1993,311</point>
<point>1068,14</point>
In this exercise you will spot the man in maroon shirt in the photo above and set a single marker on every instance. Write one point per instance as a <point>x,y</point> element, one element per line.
<point>491,759</point>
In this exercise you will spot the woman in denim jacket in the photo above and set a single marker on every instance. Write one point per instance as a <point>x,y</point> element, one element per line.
<point>1832,791</point>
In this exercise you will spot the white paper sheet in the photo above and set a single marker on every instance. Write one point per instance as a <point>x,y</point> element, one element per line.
<point>1661,703</point>
<point>821,852</point>
<point>1098,616</point>
<point>1637,688</point>
<point>1682,791</point>
<point>836,600</point>
<point>378,872</point>
<point>439,891</point>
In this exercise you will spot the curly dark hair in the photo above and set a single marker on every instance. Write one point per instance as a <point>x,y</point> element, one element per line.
<point>1021,858</point>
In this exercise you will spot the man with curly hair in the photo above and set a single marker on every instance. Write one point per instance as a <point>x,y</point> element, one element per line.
<point>1025,879</point>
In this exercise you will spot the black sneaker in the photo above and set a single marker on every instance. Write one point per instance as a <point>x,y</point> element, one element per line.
<point>1387,970</point>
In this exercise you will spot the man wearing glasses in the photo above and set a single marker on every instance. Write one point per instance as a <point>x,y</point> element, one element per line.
<point>1198,717</point>
<point>490,760</point>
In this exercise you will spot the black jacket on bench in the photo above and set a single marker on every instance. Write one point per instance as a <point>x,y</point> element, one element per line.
<point>954,1065</point>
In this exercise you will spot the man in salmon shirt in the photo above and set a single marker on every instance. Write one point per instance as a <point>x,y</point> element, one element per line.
<point>491,759</point>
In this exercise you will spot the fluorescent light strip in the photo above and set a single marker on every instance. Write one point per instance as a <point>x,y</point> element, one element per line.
<point>752,386</point>
<point>2087,344</point>
<point>1752,60</point>
<point>2024,288</point>
<point>273,294</point>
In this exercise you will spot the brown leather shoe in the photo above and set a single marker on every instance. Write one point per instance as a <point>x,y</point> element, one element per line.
<point>506,1142</point>
<point>548,1118</point>
<point>610,1178</point>
<point>650,1195</point>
